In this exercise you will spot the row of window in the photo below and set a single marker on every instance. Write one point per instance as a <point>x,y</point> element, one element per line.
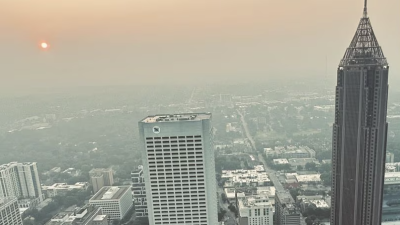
<point>174,145</point>
<point>172,137</point>
<point>173,141</point>
<point>173,149</point>
<point>151,161</point>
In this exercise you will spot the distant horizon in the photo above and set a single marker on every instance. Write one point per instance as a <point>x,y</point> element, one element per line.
<point>98,42</point>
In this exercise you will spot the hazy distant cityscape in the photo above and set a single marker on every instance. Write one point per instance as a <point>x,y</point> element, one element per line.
<point>268,139</point>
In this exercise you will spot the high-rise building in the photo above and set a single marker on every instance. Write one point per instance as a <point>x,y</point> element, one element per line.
<point>20,180</point>
<point>255,210</point>
<point>101,177</point>
<point>389,157</point>
<point>360,130</point>
<point>9,211</point>
<point>179,169</point>
<point>115,201</point>
<point>139,192</point>
<point>286,210</point>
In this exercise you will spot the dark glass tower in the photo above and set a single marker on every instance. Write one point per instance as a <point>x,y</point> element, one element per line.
<point>359,131</point>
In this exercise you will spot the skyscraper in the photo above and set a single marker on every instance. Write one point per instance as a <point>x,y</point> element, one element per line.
<point>360,130</point>
<point>179,169</point>
<point>9,211</point>
<point>20,180</point>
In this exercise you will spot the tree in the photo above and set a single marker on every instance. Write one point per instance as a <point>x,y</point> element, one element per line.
<point>326,178</point>
<point>300,167</point>
<point>311,166</point>
<point>221,214</point>
<point>224,198</point>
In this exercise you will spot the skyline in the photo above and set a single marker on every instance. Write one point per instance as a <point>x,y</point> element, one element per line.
<point>181,42</point>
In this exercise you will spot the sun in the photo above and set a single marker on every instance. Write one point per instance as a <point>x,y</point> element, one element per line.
<point>44,45</point>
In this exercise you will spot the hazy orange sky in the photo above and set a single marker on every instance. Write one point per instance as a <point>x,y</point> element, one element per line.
<point>99,42</point>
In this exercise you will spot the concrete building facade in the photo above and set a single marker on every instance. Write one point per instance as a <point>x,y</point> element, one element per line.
<point>20,180</point>
<point>139,192</point>
<point>9,211</point>
<point>255,210</point>
<point>179,169</point>
<point>286,211</point>
<point>115,201</point>
<point>100,177</point>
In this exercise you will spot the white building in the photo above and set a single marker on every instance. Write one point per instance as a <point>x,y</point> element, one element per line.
<point>20,180</point>
<point>255,210</point>
<point>63,188</point>
<point>316,178</point>
<point>179,169</point>
<point>256,177</point>
<point>280,161</point>
<point>9,212</point>
<point>114,201</point>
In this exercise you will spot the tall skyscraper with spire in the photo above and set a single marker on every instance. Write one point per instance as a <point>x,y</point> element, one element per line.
<point>360,130</point>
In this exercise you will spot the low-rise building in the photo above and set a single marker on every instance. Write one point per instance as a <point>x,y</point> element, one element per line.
<point>286,211</point>
<point>298,152</point>
<point>393,167</point>
<point>63,188</point>
<point>309,178</point>
<point>315,201</point>
<point>302,161</point>
<point>115,201</point>
<point>280,161</point>
<point>255,177</point>
<point>87,215</point>
<point>255,210</point>
<point>73,172</point>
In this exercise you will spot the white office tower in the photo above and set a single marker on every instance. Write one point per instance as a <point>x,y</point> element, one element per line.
<point>20,180</point>
<point>9,212</point>
<point>255,210</point>
<point>179,169</point>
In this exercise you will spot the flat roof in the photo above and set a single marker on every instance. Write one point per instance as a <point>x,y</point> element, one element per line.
<point>99,218</point>
<point>110,193</point>
<point>285,197</point>
<point>176,117</point>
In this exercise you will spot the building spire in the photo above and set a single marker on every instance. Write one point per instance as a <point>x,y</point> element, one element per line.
<point>365,9</point>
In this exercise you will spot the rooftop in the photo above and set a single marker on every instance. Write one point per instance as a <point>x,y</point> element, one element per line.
<point>281,161</point>
<point>308,178</point>
<point>110,193</point>
<point>63,186</point>
<point>254,201</point>
<point>285,197</point>
<point>176,117</point>
<point>11,164</point>
<point>320,203</point>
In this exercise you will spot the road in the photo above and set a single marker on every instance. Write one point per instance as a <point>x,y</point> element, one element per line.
<point>271,173</point>
<point>246,131</point>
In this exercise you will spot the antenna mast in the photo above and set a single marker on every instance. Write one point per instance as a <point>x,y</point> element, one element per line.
<point>365,9</point>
